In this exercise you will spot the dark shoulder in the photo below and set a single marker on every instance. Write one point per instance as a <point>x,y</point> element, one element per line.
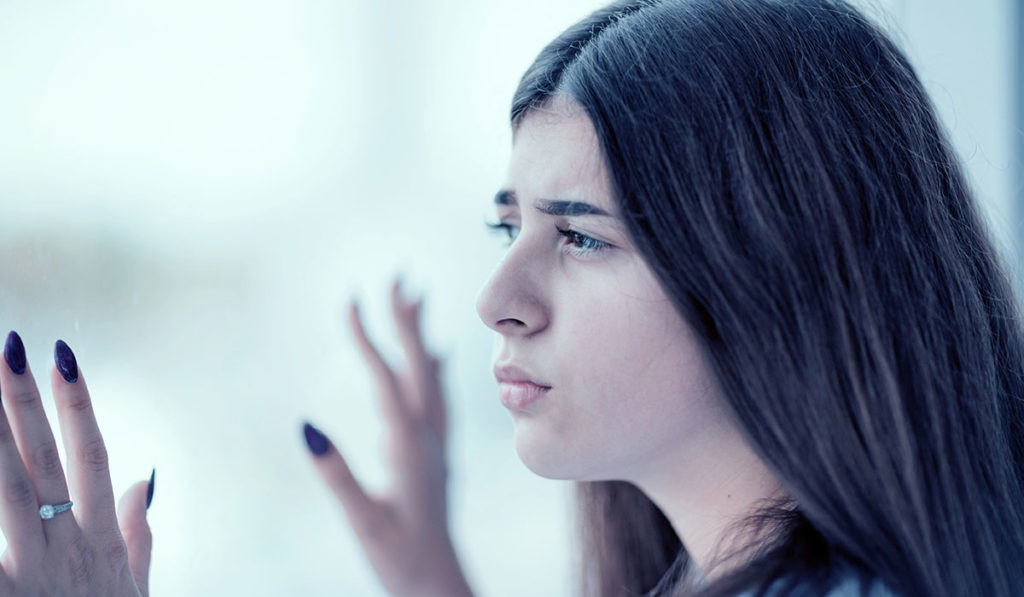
<point>854,586</point>
<point>848,585</point>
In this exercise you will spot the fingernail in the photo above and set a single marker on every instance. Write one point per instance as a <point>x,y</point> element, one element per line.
<point>315,441</point>
<point>66,363</point>
<point>14,353</point>
<point>152,486</point>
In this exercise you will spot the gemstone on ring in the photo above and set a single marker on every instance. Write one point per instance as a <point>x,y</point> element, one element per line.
<point>48,511</point>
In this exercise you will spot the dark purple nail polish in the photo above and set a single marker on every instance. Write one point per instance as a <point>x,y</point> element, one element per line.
<point>316,441</point>
<point>152,486</point>
<point>66,363</point>
<point>14,353</point>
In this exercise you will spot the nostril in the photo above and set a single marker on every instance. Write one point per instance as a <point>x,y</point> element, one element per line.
<point>511,322</point>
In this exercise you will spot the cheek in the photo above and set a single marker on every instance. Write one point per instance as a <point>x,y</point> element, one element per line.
<point>644,371</point>
<point>633,390</point>
<point>629,339</point>
<point>636,383</point>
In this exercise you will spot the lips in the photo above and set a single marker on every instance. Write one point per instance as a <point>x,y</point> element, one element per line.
<point>518,389</point>
<point>513,374</point>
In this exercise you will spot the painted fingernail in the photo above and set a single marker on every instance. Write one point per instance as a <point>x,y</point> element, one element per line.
<point>152,486</point>
<point>66,363</point>
<point>315,441</point>
<point>14,353</point>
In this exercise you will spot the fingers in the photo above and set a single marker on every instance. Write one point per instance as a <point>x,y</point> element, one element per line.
<point>360,508</point>
<point>31,474</point>
<point>423,366</point>
<point>131,518</point>
<point>393,406</point>
<point>88,466</point>
<point>19,509</point>
<point>35,443</point>
<point>407,320</point>
<point>19,513</point>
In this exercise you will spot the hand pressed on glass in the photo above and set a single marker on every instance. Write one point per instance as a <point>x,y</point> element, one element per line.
<point>404,532</point>
<point>87,550</point>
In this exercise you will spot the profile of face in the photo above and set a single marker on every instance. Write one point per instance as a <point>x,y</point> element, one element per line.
<point>603,378</point>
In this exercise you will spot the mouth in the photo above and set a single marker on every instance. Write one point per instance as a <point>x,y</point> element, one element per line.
<point>517,388</point>
<point>519,395</point>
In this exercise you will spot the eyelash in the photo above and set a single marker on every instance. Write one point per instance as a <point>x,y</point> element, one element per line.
<point>510,231</point>
<point>580,244</point>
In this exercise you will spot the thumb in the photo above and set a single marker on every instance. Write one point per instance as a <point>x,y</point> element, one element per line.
<point>131,517</point>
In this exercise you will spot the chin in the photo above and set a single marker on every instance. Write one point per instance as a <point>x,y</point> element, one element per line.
<point>545,455</point>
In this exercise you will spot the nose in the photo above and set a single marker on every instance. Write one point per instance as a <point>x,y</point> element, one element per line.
<point>512,301</point>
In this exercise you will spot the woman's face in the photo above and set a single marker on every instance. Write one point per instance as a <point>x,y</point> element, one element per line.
<point>602,377</point>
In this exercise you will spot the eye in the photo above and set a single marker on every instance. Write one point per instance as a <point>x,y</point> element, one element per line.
<point>580,244</point>
<point>510,231</point>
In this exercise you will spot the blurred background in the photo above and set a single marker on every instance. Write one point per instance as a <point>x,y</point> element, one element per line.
<point>190,191</point>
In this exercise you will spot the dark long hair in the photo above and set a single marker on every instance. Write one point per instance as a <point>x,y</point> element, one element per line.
<point>781,169</point>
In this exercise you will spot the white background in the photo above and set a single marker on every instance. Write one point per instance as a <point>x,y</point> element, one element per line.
<point>190,190</point>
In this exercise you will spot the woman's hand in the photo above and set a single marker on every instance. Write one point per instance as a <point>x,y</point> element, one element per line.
<point>404,532</point>
<point>85,551</point>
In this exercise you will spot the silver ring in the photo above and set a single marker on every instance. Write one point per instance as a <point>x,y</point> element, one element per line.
<point>48,511</point>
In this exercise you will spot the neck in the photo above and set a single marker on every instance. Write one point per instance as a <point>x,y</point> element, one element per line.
<point>707,493</point>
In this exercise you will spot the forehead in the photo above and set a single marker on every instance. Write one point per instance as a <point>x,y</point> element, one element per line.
<point>556,154</point>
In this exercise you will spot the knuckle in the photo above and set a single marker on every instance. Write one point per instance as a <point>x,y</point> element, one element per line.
<point>25,398</point>
<point>94,456</point>
<point>46,461</point>
<point>116,552</point>
<point>79,402</point>
<point>19,492</point>
<point>80,561</point>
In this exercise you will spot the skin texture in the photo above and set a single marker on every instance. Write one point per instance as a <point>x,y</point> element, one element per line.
<point>627,380</point>
<point>631,396</point>
<point>90,550</point>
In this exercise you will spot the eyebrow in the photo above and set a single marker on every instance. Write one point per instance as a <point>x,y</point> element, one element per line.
<point>553,207</point>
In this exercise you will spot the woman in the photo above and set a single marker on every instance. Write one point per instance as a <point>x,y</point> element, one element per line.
<point>748,305</point>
